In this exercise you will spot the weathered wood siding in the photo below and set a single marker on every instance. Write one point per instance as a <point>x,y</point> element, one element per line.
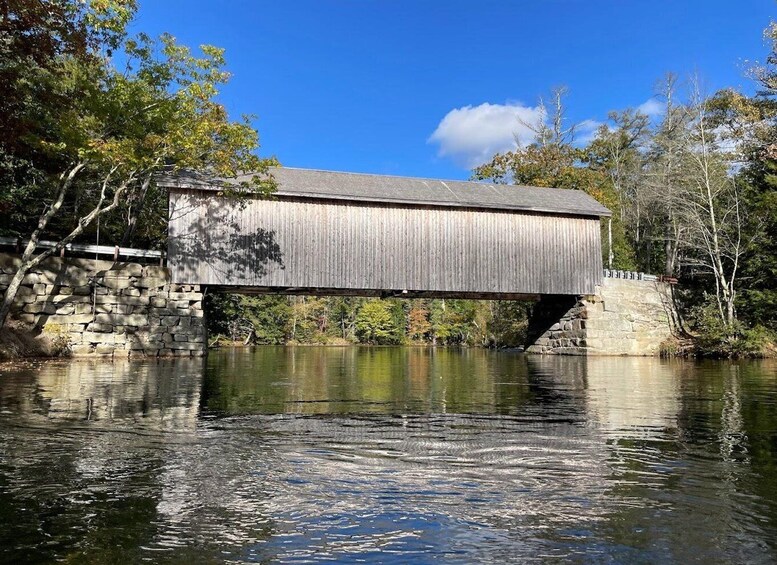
<point>313,244</point>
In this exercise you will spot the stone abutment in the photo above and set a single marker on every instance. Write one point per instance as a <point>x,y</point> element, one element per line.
<point>109,308</point>
<point>624,317</point>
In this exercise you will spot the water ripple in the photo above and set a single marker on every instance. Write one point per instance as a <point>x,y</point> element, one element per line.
<point>390,456</point>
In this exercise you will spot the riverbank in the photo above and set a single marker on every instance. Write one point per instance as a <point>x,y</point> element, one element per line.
<point>18,341</point>
<point>756,345</point>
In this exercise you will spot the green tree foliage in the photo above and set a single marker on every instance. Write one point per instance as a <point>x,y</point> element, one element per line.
<point>753,122</point>
<point>376,323</point>
<point>35,38</point>
<point>452,321</point>
<point>338,320</point>
<point>509,322</point>
<point>615,154</point>
<point>93,145</point>
<point>309,319</point>
<point>343,311</point>
<point>254,319</point>
<point>40,43</point>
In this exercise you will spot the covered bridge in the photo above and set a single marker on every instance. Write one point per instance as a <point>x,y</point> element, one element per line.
<point>343,233</point>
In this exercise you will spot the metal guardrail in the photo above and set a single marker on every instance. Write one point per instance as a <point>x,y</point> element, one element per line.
<point>110,250</point>
<point>629,275</point>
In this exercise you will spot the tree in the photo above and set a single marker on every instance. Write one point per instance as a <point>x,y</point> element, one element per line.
<point>752,121</point>
<point>102,150</point>
<point>34,39</point>
<point>418,325</point>
<point>617,152</point>
<point>709,207</point>
<point>376,324</point>
<point>545,162</point>
<point>310,317</point>
<point>254,319</point>
<point>343,313</point>
<point>664,175</point>
<point>509,322</point>
<point>452,321</point>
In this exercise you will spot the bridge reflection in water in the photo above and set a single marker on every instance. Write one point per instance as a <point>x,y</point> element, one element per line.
<point>296,453</point>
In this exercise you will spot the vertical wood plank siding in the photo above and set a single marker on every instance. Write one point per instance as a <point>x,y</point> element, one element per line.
<point>297,243</point>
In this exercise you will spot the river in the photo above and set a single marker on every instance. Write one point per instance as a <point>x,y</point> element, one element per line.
<point>390,455</point>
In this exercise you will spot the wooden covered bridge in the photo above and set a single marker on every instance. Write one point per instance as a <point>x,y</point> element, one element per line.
<point>357,234</point>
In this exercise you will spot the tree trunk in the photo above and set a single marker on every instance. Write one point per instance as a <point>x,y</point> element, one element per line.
<point>134,213</point>
<point>668,266</point>
<point>731,310</point>
<point>10,294</point>
<point>28,261</point>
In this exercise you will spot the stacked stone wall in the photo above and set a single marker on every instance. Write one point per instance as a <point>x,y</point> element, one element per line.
<point>624,317</point>
<point>109,308</point>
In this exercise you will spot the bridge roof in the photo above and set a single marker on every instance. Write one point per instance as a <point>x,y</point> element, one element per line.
<point>330,185</point>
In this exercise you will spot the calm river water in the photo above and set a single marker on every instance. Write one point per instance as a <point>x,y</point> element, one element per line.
<point>404,455</point>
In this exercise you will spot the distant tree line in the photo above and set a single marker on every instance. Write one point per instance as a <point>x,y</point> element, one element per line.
<point>276,319</point>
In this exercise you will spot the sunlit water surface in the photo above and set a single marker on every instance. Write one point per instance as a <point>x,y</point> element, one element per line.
<point>404,455</point>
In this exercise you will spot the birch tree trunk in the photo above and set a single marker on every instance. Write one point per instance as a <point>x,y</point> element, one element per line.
<point>711,210</point>
<point>30,260</point>
<point>135,210</point>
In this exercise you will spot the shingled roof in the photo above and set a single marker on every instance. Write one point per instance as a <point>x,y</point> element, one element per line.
<point>330,185</point>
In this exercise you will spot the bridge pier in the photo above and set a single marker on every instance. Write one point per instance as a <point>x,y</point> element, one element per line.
<point>108,308</point>
<point>624,317</point>
<point>557,326</point>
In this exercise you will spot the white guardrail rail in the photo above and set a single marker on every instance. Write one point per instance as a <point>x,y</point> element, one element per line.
<point>629,275</point>
<point>114,251</point>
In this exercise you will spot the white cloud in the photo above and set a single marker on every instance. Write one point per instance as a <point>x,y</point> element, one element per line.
<point>652,107</point>
<point>585,132</point>
<point>471,135</point>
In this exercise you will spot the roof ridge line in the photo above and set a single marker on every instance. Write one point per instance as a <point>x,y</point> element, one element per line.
<point>360,174</point>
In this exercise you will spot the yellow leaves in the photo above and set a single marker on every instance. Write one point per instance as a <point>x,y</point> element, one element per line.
<point>215,55</point>
<point>110,18</point>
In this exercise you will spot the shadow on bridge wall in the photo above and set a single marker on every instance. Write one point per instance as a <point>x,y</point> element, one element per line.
<point>216,242</point>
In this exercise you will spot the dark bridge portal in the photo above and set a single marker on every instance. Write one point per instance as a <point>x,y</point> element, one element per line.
<point>343,233</point>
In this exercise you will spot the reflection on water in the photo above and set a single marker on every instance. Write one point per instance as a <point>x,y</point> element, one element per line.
<point>163,395</point>
<point>389,455</point>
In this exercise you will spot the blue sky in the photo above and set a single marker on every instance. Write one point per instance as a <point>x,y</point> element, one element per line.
<point>427,88</point>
